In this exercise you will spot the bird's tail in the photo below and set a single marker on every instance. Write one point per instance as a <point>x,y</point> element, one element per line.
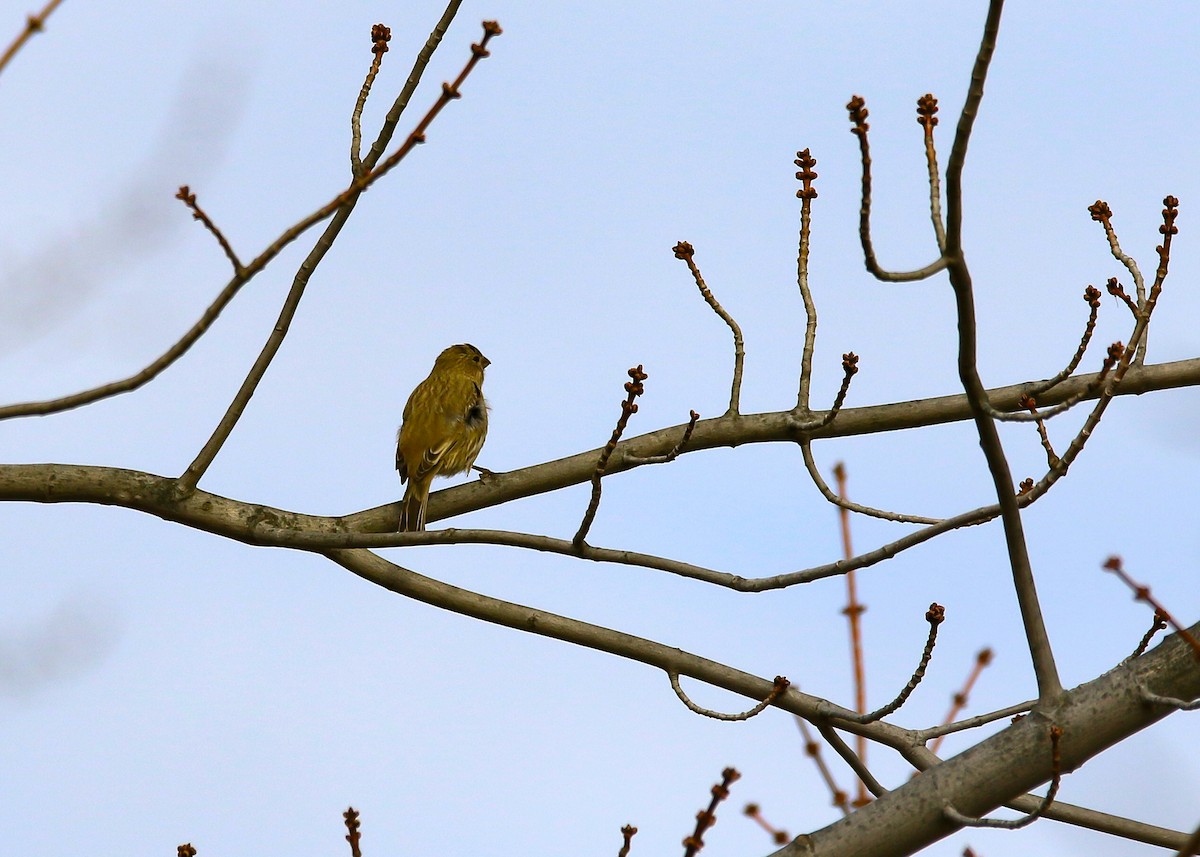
<point>412,507</point>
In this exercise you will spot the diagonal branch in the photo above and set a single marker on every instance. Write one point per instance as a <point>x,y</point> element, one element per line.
<point>191,476</point>
<point>34,24</point>
<point>1049,684</point>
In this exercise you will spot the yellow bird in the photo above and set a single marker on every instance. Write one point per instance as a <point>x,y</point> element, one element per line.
<point>445,424</point>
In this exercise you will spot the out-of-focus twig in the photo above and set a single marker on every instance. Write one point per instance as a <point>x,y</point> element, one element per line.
<point>960,699</point>
<point>34,24</point>
<point>853,612</point>
<point>1141,593</point>
<point>812,749</point>
<point>778,836</point>
<point>707,818</point>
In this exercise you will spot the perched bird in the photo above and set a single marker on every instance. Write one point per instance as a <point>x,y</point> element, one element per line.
<point>445,424</point>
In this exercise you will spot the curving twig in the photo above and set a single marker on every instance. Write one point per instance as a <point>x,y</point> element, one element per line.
<point>684,251</point>
<point>841,501</point>
<point>857,108</point>
<point>1092,296</point>
<point>781,684</point>
<point>934,616</point>
<point>1017,823</point>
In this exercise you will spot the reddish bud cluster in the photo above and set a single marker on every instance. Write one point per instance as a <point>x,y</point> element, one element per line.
<point>927,108</point>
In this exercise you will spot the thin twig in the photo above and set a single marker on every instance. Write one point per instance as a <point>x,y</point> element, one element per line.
<point>674,451</point>
<point>810,465</point>
<point>380,36</point>
<point>934,616</point>
<point>849,370</point>
<point>959,701</point>
<point>807,193</point>
<point>1159,623</point>
<point>707,818</point>
<point>34,24</point>
<point>781,684</point>
<point>1017,823</point>
<point>812,749</point>
<point>683,250</point>
<point>927,108</point>
<point>189,199</point>
<point>1092,296</point>
<point>1030,404</point>
<point>975,722</point>
<point>1141,592</point>
<point>857,108</point>
<point>1102,214</point>
<point>191,476</point>
<point>1169,701</point>
<point>633,389</point>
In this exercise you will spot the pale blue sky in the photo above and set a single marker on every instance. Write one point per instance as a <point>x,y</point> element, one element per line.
<point>160,685</point>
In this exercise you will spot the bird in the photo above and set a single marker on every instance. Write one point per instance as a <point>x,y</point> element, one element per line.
<point>444,427</point>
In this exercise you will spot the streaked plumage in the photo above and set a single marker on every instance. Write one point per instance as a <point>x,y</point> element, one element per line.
<point>445,424</point>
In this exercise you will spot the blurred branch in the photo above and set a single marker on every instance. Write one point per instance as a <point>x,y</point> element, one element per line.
<point>34,24</point>
<point>959,701</point>
<point>813,750</point>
